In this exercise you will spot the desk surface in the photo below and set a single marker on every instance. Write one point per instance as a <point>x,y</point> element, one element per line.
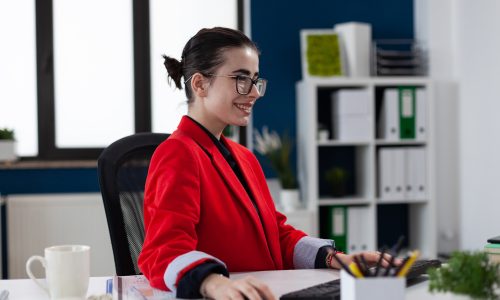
<point>280,282</point>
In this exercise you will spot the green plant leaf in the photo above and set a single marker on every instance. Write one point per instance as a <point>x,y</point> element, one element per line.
<point>6,134</point>
<point>468,273</point>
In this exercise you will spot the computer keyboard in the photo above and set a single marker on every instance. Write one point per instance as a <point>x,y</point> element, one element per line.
<point>331,290</point>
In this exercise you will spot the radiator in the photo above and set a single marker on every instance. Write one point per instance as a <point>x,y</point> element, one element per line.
<point>35,222</point>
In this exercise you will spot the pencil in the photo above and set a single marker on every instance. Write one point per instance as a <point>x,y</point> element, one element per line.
<point>379,262</point>
<point>405,260</point>
<point>406,267</point>
<point>355,270</point>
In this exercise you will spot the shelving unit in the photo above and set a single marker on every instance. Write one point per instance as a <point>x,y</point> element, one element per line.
<point>372,220</point>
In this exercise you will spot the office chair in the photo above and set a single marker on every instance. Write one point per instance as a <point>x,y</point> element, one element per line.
<point>122,170</point>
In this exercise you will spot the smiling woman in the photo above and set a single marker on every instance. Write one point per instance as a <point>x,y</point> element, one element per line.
<point>207,207</point>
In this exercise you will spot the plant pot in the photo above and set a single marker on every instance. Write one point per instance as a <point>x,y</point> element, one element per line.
<point>289,200</point>
<point>8,150</point>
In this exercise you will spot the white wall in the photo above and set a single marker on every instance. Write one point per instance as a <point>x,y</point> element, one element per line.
<point>39,221</point>
<point>478,24</point>
<point>465,46</point>
<point>434,27</point>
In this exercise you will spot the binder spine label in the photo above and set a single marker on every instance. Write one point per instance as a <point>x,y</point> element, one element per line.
<point>407,112</point>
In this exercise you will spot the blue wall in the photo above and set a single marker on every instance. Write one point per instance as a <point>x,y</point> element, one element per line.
<point>39,181</point>
<point>275,29</point>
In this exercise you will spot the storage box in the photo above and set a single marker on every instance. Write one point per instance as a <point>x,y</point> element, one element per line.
<point>355,40</point>
<point>352,115</point>
<point>371,288</point>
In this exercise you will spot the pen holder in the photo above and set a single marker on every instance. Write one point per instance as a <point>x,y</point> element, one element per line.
<point>371,288</point>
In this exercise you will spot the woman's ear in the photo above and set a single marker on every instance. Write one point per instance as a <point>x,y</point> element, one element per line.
<point>199,85</point>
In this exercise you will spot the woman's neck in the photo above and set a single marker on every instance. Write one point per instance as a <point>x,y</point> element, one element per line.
<point>208,124</point>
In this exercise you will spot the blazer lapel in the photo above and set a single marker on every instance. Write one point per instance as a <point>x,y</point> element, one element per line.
<point>267,213</point>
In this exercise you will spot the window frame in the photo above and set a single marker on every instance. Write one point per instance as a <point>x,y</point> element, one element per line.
<point>47,149</point>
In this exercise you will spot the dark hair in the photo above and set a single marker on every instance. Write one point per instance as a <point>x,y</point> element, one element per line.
<point>203,53</point>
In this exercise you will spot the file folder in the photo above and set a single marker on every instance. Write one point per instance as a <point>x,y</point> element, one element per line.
<point>357,229</point>
<point>416,174</point>
<point>337,220</point>
<point>385,176</point>
<point>398,172</point>
<point>392,173</point>
<point>407,112</point>
<point>421,114</point>
<point>388,125</point>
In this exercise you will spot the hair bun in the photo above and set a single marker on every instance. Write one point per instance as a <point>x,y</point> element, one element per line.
<point>174,69</point>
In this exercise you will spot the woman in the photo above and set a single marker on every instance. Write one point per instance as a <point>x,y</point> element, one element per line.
<point>207,208</point>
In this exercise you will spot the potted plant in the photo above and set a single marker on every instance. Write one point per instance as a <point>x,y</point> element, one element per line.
<point>277,150</point>
<point>7,145</point>
<point>337,177</point>
<point>467,273</point>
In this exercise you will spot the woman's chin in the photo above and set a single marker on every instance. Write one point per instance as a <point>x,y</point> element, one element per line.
<point>242,121</point>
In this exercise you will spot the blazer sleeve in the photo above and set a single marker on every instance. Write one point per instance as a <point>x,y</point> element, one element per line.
<point>171,213</point>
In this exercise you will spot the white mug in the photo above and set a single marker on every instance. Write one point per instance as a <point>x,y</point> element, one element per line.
<point>67,270</point>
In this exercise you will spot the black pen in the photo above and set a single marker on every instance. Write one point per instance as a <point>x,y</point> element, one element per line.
<point>365,265</point>
<point>397,247</point>
<point>394,252</point>
<point>379,262</point>
<point>334,254</point>
<point>391,262</point>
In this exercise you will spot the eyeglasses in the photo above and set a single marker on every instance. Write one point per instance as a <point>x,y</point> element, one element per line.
<point>245,83</point>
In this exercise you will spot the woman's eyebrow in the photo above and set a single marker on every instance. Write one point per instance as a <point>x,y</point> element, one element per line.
<point>242,71</point>
<point>245,72</point>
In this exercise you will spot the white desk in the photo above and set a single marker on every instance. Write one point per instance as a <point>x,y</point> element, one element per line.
<point>280,282</point>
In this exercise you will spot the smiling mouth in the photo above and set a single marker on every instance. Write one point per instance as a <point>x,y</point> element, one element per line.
<point>247,108</point>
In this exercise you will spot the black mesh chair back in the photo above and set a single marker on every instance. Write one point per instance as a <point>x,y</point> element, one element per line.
<point>122,169</point>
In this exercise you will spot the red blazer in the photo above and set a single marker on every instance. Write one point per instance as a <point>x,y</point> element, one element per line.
<point>194,201</point>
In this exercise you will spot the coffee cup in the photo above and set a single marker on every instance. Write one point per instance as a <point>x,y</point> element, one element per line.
<point>67,271</point>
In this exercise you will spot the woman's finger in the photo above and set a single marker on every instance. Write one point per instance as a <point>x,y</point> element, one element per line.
<point>262,288</point>
<point>248,290</point>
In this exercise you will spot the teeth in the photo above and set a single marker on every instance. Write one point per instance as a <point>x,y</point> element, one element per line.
<point>245,107</point>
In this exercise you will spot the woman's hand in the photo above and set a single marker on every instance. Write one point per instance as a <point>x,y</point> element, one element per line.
<point>218,287</point>
<point>371,258</point>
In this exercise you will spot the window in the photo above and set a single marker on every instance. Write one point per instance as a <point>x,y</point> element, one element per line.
<point>18,73</point>
<point>99,73</point>
<point>169,34</point>
<point>93,72</point>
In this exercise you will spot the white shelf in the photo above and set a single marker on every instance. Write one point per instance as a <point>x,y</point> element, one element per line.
<point>343,201</point>
<point>401,201</point>
<point>344,143</point>
<point>315,157</point>
<point>365,81</point>
<point>399,143</point>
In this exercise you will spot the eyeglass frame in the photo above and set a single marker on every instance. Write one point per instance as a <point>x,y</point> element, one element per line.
<point>236,77</point>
